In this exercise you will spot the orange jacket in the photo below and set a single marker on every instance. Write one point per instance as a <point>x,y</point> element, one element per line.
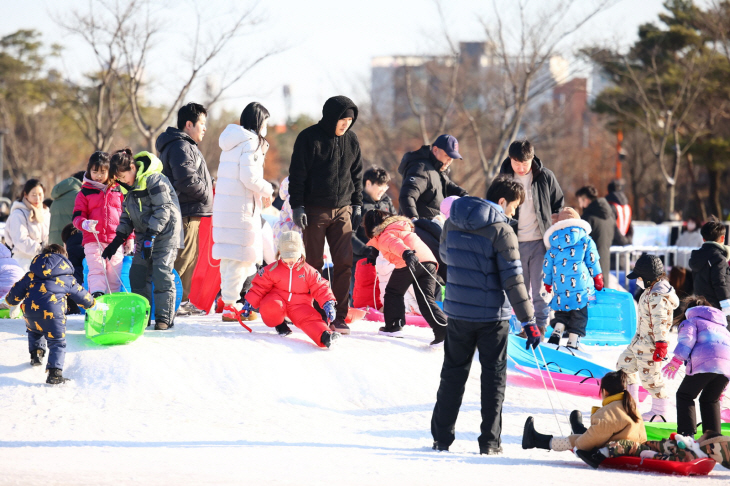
<point>394,236</point>
<point>296,285</point>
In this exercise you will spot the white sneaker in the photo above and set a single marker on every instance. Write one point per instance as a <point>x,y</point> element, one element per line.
<point>187,309</point>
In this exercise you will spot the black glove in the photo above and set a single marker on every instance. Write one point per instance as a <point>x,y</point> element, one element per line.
<point>534,336</point>
<point>300,217</point>
<point>356,217</point>
<point>372,256</point>
<point>409,256</point>
<point>147,245</point>
<point>112,248</point>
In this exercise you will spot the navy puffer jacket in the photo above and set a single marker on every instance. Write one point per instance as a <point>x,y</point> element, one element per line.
<point>485,273</point>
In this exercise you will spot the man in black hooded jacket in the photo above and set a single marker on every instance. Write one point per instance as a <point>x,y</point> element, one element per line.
<point>325,193</point>
<point>425,178</point>
<point>183,164</point>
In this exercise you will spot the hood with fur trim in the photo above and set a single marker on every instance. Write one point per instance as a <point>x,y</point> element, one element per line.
<point>405,222</point>
<point>569,231</point>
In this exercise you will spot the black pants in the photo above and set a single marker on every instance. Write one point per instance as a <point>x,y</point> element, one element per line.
<point>394,307</point>
<point>711,385</point>
<point>575,321</point>
<point>462,339</point>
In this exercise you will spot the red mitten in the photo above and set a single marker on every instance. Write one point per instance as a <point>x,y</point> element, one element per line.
<point>548,288</point>
<point>661,350</point>
<point>598,281</point>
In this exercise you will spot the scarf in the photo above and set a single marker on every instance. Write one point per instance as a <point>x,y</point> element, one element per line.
<point>607,400</point>
<point>36,214</point>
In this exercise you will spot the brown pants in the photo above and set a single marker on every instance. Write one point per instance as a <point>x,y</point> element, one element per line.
<point>187,258</point>
<point>336,226</point>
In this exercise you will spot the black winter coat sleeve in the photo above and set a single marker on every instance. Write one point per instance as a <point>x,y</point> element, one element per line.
<point>415,182</point>
<point>557,199</point>
<point>356,173</point>
<point>453,189</point>
<point>301,158</point>
<point>185,178</point>
<point>508,259</point>
<point>720,278</point>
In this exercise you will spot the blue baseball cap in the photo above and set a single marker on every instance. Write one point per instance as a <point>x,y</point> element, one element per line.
<point>448,144</point>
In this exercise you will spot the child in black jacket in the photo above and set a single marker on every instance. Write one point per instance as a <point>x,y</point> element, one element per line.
<point>710,270</point>
<point>44,289</point>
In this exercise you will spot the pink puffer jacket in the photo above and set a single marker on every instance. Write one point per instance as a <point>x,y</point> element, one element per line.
<point>394,236</point>
<point>101,203</point>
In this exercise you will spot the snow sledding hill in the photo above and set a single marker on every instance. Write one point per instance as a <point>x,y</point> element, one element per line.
<point>208,403</point>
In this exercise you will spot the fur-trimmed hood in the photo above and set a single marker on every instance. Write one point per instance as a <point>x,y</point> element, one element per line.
<point>579,229</point>
<point>405,222</point>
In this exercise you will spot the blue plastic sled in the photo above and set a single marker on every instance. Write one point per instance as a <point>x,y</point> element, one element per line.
<point>611,319</point>
<point>556,360</point>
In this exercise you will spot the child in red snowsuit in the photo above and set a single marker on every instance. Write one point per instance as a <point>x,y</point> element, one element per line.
<point>286,288</point>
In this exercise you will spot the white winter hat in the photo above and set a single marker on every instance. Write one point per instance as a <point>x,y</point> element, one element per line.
<point>290,245</point>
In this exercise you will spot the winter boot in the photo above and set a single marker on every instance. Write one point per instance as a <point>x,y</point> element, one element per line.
<point>439,446</point>
<point>338,325</point>
<point>439,334</point>
<point>593,458</point>
<point>229,313</point>
<point>576,422</point>
<point>329,338</point>
<point>491,451</point>
<point>532,439</point>
<point>36,356</point>
<point>717,447</point>
<point>97,294</point>
<point>658,412</point>
<point>557,333</point>
<point>573,341</point>
<point>162,326</point>
<point>283,329</point>
<point>55,377</point>
<point>392,330</point>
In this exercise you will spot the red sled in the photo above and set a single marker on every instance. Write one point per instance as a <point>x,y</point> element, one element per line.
<point>206,281</point>
<point>354,315</point>
<point>366,292</point>
<point>698,467</point>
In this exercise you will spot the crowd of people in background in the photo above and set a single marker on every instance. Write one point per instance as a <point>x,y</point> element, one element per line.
<point>463,264</point>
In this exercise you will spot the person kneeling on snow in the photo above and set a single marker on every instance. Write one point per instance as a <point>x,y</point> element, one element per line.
<point>649,347</point>
<point>572,270</point>
<point>397,242</point>
<point>617,419</point>
<point>286,288</point>
<point>44,289</point>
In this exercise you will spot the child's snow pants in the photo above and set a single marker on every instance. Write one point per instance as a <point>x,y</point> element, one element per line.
<point>274,309</point>
<point>51,331</point>
<point>98,267</point>
<point>157,269</point>
<point>638,358</point>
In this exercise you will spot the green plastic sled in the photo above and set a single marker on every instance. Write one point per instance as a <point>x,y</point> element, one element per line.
<point>662,430</point>
<point>124,322</point>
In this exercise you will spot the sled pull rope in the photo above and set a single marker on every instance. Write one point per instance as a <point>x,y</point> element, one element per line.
<point>547,392</point>
<point>550,375</point>
<point>103,262</point>
<point>424,295</point>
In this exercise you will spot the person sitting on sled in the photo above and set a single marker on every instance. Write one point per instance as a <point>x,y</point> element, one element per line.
<point>617,419</point>
<point>394,237</point>
<point>649,346</point>
<point>286,288</point>
<point>572,273</point>
<point>43,291</point>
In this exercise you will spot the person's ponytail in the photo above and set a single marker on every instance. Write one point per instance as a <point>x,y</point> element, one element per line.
<point>616,382</point>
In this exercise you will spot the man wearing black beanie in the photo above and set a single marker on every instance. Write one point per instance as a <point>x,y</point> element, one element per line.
<point>325,192</point>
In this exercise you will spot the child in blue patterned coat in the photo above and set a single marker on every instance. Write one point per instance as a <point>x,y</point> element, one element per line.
<point>43,291</point>
<point>572,270</point>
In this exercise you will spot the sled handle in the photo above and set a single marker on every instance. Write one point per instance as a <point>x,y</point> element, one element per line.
<point>584,369</point>
<point>589,378</point>
<point>553,362</point>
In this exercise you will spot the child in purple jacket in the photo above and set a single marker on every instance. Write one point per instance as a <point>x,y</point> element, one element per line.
<point>704,347</point>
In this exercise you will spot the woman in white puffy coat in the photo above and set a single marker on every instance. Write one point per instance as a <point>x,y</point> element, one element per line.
<point>26,230</point>
<point>240,193</point>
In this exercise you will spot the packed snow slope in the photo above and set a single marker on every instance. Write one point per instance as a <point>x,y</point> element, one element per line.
<point>208,403</point>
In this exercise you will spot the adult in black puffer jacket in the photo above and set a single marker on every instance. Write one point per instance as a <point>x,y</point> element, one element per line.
<point>325,193</point>
<point>597,212</point>
<point>425,181</point>
<point>709,266</point>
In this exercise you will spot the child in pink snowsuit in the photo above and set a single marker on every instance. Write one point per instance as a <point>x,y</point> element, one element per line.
<point>97,210</point>
<point>287,287</point>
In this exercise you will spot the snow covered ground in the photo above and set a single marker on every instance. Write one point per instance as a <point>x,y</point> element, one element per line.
<point>208,403</point>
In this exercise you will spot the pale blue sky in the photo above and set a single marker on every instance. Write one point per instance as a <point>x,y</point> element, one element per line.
<point>330,43</point>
